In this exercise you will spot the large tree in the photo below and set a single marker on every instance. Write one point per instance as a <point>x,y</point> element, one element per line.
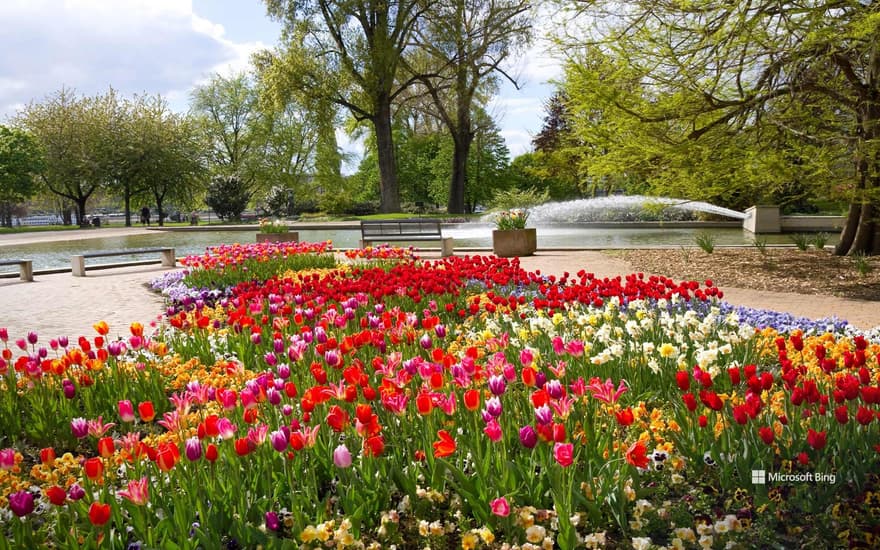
<point>68,130</point>
<point>468,45</point>
<point>234,126</point>
<point>806,74</point>
<point>348,52</point>
<point>20,162</point>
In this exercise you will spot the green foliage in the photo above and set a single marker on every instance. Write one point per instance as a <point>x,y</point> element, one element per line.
<point>820,240</point>
<point>515,218</point>
<point>517,198</point>
<point>706,241</point>
<point>862,263</point>
<point>280,201</point>
<point>800,240</point>
<point>20,161</point>
<point>760,243</point>
<point>227,197</point>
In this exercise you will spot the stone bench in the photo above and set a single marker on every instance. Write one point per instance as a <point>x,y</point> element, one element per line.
<point>25,268</point>
<point>78,262</point>
<point>421,229</point>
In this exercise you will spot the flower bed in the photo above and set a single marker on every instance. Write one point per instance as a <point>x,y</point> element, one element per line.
<point>462,402</point>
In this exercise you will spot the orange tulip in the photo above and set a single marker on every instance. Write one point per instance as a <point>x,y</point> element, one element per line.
<point>101,327</point>
<point>136,329</point>
<point>445,446</point>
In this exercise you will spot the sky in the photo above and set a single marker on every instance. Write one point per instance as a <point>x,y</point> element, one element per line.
<point>168,47</point>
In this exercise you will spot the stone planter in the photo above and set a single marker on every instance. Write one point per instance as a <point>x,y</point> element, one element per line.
<point>514,242</point>
<point>286,237</point>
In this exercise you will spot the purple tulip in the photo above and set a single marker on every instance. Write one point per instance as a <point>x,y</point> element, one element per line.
<point>493,406</point>
<point>331,357</point>
<point>544,414</point>
<point>272,522</point>
<point>256,339</point>
<point>283,371</point>
<point>75,492</point>
<point>554,389</point>
<point>278,345</point>
<point>528,437</point>
<point>497,384</point>
<point>32,337</point>
<point>193,449</point>
<point>540,380</point>
<point>270,359</point>
<point>279,441</point>
<point>426,342</point>
<point>79,427</point>
<point>21,503</point>
<point>286,410</point>
<point>440,331</point>
<point>62,341</point>
<point>274,396</point>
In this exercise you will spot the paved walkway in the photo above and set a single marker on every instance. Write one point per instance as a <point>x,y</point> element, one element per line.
<point>61,304</point>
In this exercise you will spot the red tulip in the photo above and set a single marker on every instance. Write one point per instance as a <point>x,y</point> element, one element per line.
<point>841,414</point>
<point>147,411</point>
<point>94,468</point>
<point>624,417</point>
<point>211,453</point>
<point>689,401</point>
<point>56,495</point>
<point>106,447</point>
<point>637,455</point>
<point>167,456</point>
<point>99,514</point>
<point>337,418</point>
<point>472,400</point>
<point>766,434</point>
<point>816,440</point>
<point>864,416</point>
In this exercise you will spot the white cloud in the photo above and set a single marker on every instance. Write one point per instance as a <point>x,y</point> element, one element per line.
<point>135,46</point>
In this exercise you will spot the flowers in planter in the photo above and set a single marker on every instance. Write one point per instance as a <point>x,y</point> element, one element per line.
<point>515,218</point>
<point>272,226</point>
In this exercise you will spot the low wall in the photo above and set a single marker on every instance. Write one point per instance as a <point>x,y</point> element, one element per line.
<point>795,224</point>
<point>766,219</point>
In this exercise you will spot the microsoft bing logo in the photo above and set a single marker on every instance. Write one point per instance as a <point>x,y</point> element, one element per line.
<point>759,477</point>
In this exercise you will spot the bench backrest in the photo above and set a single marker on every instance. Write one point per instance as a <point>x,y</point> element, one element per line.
<point>397,228</point>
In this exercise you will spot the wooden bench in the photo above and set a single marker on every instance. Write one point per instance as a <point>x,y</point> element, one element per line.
<point>25,268</point>
<point>420,229</point>
<point>78,262</point>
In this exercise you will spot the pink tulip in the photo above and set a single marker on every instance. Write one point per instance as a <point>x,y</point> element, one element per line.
<point>126,411</point>
<point>564,454</point>
<point>500,507</point>
<point>7,459</point>
<point>342,456</point>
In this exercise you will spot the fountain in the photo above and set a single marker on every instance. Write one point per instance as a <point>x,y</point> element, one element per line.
<point>626,208</point>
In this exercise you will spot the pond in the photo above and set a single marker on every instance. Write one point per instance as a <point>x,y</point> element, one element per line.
<point>57,254</point>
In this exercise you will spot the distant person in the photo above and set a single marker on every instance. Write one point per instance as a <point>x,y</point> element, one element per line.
<point>145,215</point>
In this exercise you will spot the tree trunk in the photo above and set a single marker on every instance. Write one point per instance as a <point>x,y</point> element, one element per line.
<point>389,194</point>
<point>127,196</point>
<point>159,209</point>
<point>460,152</point>
<point>848,233</point>
<point>81,212</point>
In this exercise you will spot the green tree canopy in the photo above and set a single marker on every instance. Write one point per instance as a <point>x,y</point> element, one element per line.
<point>703,95</point>
<point>348,53</point>
<point>20,162</point>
